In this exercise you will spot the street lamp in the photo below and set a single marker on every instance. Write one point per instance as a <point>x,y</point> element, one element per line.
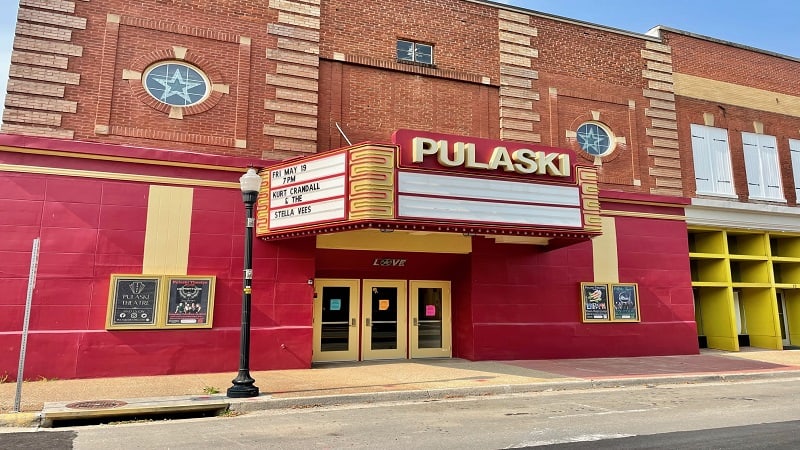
<point>243,386</point>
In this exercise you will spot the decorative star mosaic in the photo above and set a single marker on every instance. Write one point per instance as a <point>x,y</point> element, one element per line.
<point>176,84</point>
<point>593,139</point>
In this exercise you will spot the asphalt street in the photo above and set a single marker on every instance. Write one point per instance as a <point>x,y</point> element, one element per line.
<point>744,414</point>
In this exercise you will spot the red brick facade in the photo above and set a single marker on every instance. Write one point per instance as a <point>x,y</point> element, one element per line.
<point>771,74</point>
<point>288,72</point>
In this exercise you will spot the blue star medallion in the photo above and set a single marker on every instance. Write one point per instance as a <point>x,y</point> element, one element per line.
<point>176,84</point>
<point>593,139</point>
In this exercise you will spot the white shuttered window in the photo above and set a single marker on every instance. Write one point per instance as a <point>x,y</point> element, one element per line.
<point>761,165</point>
<point>712,160</point>
<point>794,149</point>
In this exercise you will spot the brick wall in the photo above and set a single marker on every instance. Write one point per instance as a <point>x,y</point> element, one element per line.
<point>736,120</point>
<point>759,93</point>
<point>464,34</point>
<point>717,61</point>
<point>286,72</point>
<point>620,80</point>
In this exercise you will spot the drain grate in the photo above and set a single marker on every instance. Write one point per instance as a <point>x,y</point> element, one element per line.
<point>97,404</point>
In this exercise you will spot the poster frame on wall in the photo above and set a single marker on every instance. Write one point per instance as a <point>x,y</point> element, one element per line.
<point>630,292</point>
<point>589,296</point>
<point>178,310</point>
<point>157,296</point>
<point>129,297</point>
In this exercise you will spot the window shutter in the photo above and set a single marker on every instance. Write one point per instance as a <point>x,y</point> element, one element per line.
<point>721,160</point>
<point>752,165</point>
<point>702,160</point>
<point>794,150</point>
<point>769,162</point>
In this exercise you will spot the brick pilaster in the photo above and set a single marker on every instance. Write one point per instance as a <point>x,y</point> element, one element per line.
<point>37,79</point>
<point>517,77</point>
<point>662,132</point>
<point>295,80</point>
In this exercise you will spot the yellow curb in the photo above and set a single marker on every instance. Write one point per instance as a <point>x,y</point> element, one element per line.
<point>20,420</point>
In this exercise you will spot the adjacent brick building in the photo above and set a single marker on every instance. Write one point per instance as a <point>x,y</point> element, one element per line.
<point>128,125</point>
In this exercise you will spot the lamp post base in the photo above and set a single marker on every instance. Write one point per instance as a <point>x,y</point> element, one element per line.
<point>242,391</point>
<point>243,387</point>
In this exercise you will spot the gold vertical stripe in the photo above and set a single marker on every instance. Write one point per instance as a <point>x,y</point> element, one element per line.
<point>604,253</point>
<point>166,241</point>
<point>372,187</point>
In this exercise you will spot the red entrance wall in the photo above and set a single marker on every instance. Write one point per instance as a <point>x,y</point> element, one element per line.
<point>513,301</point>
<point>525,304</point>
<point>91,228</point>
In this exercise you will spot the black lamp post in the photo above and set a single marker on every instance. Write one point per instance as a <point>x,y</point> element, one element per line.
<point>243,384</point>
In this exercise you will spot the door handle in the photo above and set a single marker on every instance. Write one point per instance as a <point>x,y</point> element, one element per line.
<point>415,322</point>
<point>353,322</point>
<point>368,323</point>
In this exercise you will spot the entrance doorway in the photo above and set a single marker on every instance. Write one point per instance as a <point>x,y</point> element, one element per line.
<point>357,320</point>
<point>783,322</point>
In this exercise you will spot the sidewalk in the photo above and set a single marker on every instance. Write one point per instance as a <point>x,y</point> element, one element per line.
<point>365,382</point>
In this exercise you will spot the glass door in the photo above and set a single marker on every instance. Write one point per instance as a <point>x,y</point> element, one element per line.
<point>335,320</point>
<point>783,322</point>
<point>384,315</point>
<point>430,319</point>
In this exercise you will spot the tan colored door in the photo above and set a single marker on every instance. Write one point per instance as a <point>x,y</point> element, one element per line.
<point>384,313</point>
<point>336,320</point>
<point>430,319</point>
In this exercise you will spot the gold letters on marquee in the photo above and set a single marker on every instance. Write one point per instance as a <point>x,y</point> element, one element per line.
<point>523,161</point>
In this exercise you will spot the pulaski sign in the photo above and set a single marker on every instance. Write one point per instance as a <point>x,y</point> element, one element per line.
<point>459,154</point>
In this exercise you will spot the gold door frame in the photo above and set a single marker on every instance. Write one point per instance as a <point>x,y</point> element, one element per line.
<point>446,350</point>
<point>352,353</point>
<point>401,352</point>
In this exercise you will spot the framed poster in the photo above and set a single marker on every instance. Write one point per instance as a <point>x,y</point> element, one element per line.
<point>594,302</point>
<point>625,298</point>
<point>190,301</point>
<point>133,302</point>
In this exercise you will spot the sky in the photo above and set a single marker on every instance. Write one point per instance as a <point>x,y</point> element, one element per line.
<point>766,24</point>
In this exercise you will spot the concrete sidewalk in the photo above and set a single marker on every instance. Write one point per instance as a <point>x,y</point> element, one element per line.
<point>366,382</point>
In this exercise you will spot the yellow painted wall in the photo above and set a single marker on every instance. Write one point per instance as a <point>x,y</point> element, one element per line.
<point>604,253</point>
<point>719,324</point>
<point>755,264</point>
<point>169,219</point>
<point>792,299</point>
<point>762,320</point>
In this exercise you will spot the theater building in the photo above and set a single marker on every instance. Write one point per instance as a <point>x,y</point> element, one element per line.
<point>449,179</point>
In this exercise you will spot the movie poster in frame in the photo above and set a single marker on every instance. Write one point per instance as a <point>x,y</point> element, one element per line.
<point>133,302</point>
<point>595,305</point>
<point>625,302</point>
<point>189,301</point>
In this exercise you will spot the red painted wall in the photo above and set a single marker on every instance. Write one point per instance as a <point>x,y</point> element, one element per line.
<point>92,228</point>
<point>522,301</point>
<point>525,302</point>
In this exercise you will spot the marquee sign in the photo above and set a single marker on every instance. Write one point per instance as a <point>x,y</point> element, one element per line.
<point>434,182</point>
<point>310,192</point>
